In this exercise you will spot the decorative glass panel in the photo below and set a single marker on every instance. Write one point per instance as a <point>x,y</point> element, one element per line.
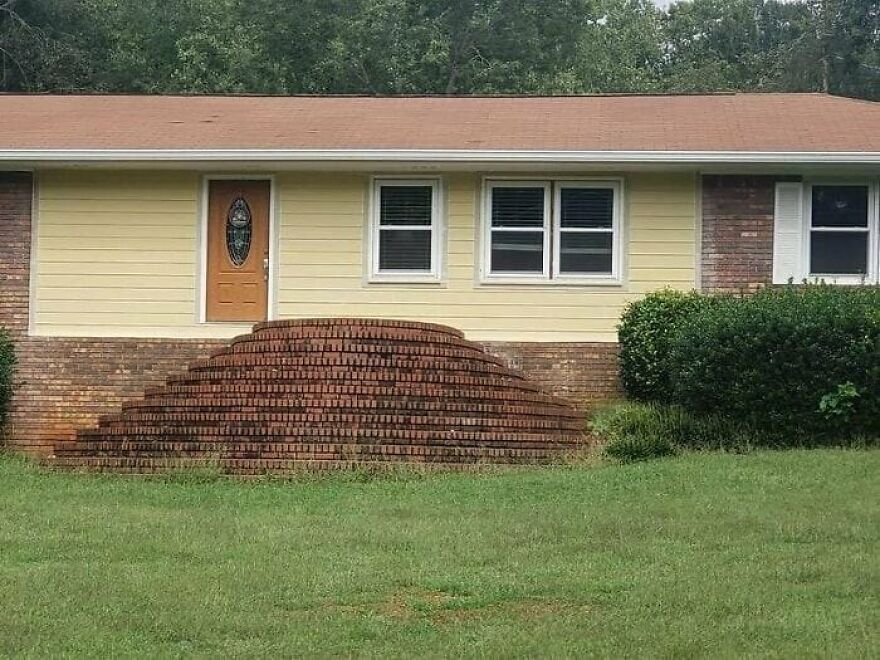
<point>239,227</point>
<point>517,252</point>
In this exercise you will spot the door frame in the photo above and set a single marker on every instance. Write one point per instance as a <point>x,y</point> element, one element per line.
<point>272,285</point>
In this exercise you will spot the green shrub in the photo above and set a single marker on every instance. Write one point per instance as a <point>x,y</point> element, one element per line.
<point>639,431</point>
<point>646,330</point>
<point>632,432</point>
<point>802,364</point>
<point>7,362</point>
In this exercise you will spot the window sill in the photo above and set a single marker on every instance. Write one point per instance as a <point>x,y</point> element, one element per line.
<point>424,280</point>
<point>842,280</point>
<point>584,282</point>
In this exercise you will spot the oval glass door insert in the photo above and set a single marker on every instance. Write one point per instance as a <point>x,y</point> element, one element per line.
<point>238,231</point>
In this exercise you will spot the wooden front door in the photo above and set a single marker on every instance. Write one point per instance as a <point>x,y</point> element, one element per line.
<point>238,251</point>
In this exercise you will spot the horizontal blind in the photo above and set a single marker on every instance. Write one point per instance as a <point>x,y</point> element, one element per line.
<point>517,207</point>
<point>587,207</point>
<point>405,206</point>
<point>405,232</point>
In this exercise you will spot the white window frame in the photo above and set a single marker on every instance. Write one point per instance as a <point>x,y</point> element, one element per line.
<point>873,229</point>
<point>552,227</point>
<point>546,228</point>
<point>614,275</point>
<point>375,273</point>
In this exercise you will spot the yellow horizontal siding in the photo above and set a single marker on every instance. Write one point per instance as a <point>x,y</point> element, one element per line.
<point>117,255</point>
<point>323,273</point>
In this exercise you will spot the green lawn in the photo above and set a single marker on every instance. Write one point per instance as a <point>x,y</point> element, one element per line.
<point>770,554</point>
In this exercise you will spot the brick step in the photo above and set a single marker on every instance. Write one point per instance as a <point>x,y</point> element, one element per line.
<point>178,447</point>
<point>283,467</point>
<point>286,433</point>
<point>283,343</point>
<point>331,378</point>
<point>246,425</point>
<point>313,404</point>
<point>330,327</point>
<point>336,392</point>
<point>354,360</point>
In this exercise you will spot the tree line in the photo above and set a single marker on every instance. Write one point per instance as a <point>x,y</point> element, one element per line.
<point>439,46</point>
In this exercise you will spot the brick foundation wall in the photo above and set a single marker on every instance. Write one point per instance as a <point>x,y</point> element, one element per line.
<point>64,384</point>
<point>585,374</point>
<point>737,233</point>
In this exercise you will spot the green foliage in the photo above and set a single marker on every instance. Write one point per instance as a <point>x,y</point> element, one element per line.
<point>802,364</point>
<point>840,405</point>
<point>646,330</point>
<point>638,431</point>
<point>633,432</point>
<point>7,363</point>
<point>439,46</point>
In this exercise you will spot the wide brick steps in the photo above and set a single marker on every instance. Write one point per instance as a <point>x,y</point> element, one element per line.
<point>333,393</point>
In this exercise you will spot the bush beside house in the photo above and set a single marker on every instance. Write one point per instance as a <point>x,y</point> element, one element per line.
<point>7,362</point>
<point>789,366</point>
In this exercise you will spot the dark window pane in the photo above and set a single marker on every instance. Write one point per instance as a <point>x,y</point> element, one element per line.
<point>587,207</point>
<point>405,205</point>
<point>517,207</point>
<point>838,253</point>
<point>840,206</point>
<point>514,252</point>
<point>404,249</point>
<point>585,253</point>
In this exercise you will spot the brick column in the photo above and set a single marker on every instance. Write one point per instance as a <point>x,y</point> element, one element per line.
<point>737,235</point>
<point>16,195</point>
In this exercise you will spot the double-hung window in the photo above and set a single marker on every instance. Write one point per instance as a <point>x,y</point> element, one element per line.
<point>552,231</point>
<point>842,232</point>
<point>405,229</point>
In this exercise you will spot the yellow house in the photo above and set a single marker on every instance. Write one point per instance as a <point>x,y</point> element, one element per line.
<point>142,233</point>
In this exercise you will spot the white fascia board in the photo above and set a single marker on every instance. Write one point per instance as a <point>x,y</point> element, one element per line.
<point>448,156</point>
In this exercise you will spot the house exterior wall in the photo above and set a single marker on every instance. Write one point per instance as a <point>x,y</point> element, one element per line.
<point>118,256</point>
<point>117,285</point>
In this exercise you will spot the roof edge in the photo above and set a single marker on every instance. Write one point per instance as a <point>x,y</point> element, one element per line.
<point>438,155</point>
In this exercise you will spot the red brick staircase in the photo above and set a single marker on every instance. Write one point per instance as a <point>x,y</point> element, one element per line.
<point>333,393</point>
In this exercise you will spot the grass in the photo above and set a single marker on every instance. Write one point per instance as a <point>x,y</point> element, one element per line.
<point>764,554</point>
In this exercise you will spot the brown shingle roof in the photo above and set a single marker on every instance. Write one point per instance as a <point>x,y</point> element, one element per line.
<point>713,123</point>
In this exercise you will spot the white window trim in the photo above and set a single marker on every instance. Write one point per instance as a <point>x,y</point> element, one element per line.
<point>552,223</point>
<point>375,275</point>
<point>614,275</point>
<point>488,275</point>
<point>873,231</point>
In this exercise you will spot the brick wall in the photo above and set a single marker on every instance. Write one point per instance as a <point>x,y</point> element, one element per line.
<point>64,384</point>
<point>737,234</point>
<point>16,194</point>
<point>583,373</point>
